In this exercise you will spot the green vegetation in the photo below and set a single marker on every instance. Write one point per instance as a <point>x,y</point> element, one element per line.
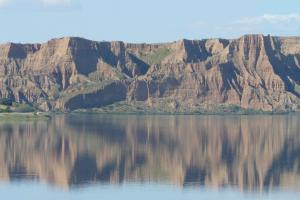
<point>6,102</point>
<point>121,108</point>
<point>12,117</point>
<point>157,56</point>
<point>8,106</point>
<point>230,109</point>
<point>4,109</point>
<point>22,108</point>
<point>84,88</point>
<point>125,108</point>
<point>171,107</point>
<point>297,88</point>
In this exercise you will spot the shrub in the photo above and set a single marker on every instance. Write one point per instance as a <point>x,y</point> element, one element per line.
<point>23,108</point>
<point>5,110</point>
<point>6,102</point>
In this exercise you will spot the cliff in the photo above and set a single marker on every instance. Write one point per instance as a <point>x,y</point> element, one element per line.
<point>252,72</point>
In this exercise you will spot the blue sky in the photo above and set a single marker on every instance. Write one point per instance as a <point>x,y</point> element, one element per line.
<point>145,20</point>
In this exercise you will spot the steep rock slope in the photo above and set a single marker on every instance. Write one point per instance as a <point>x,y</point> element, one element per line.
<point>252,72</point>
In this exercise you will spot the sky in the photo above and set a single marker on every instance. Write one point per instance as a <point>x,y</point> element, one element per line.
<point>151,21</point>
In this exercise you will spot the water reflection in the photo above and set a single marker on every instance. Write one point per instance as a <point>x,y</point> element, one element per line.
<point>247,152</point>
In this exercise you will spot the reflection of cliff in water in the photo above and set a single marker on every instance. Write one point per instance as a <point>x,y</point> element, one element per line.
<point>250,152</point>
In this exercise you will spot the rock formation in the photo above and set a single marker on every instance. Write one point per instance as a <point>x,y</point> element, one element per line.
<point>252,72</point>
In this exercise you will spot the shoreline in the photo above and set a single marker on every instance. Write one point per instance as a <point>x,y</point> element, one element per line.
<point>91,112</point>
<point>184,114</point>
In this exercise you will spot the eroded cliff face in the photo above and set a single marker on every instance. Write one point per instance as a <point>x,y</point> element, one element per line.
<point>253,72</point>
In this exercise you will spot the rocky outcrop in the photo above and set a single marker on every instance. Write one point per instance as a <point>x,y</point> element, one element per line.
<point>252,72</point>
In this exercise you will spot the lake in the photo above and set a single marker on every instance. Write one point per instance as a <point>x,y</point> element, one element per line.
<point>89,156</point>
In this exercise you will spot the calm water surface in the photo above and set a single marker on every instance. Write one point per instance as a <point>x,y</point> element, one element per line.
<point>148,157</point>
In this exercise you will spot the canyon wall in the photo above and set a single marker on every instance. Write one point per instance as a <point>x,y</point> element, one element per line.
<point>252,72</point>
